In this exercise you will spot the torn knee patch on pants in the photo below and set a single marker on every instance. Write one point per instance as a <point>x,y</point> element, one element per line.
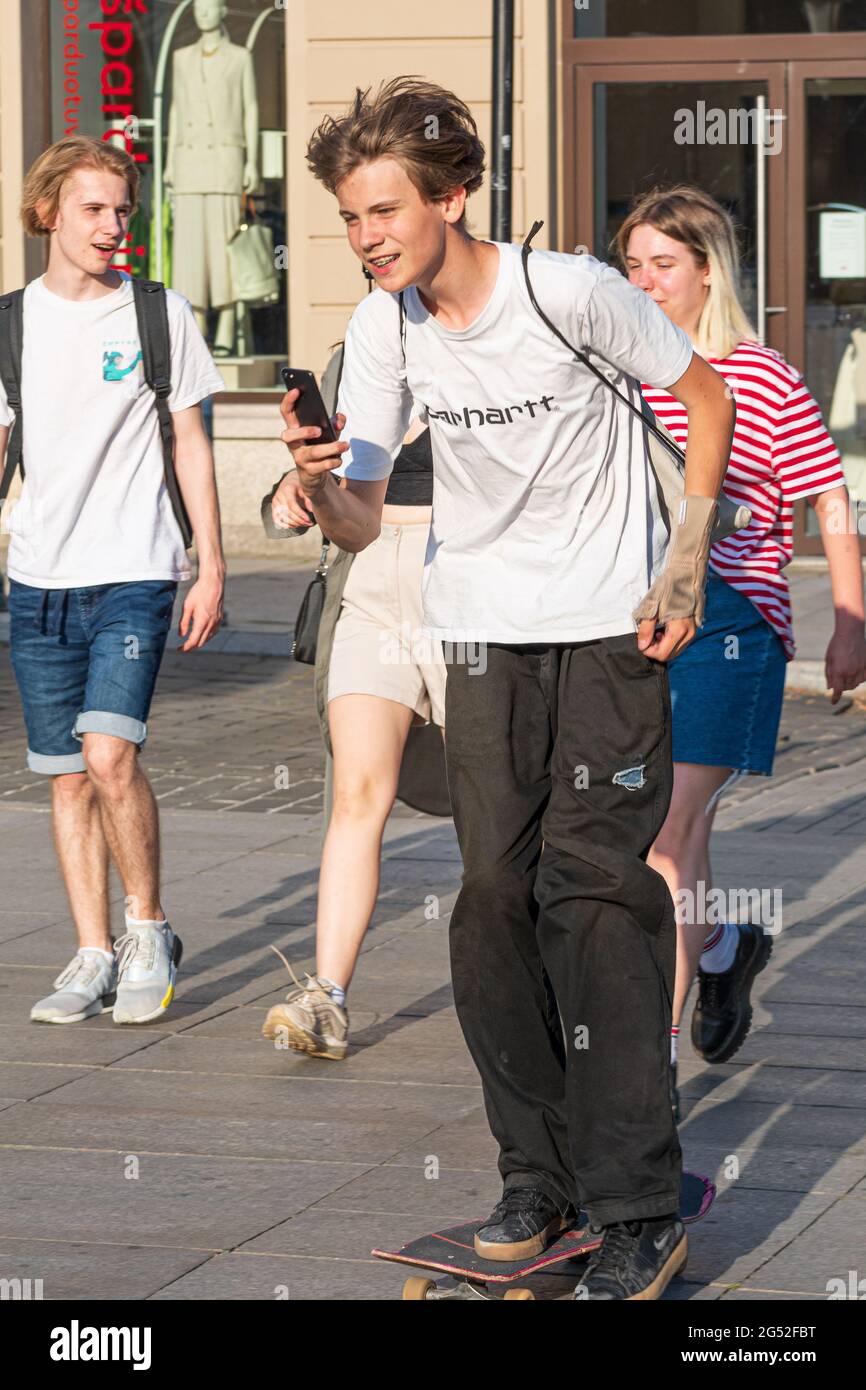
<point>632,778</point>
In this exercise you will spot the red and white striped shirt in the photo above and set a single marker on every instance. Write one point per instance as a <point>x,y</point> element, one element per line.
<point>781,451</point>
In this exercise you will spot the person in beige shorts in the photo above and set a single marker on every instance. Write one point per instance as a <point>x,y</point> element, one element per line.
<point>384,676</point>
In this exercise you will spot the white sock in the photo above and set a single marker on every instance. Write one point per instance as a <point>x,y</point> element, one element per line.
<point>720,948</point>
<point>98,951</point>
<point>337,993</point>
<point>144,921</point>
<point>675,1033</point>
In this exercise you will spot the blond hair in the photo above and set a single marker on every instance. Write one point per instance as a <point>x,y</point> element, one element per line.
<point>46,176</point>
<point>428,130</point>
<point>690,216</point>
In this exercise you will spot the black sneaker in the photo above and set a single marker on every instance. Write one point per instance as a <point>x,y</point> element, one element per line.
<point>637,1260</point>
<point>723,1013</point>
<point>674,1094</point>
<point>520,1226</point>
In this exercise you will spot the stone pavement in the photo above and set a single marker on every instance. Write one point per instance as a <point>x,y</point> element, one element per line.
<point>193,1160</point>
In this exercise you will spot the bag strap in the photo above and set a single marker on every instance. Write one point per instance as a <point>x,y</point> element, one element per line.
<point>151,311</point>
<point>645,415</point>
<point>340,353</point>
<point>403,327</point>
<point>11,348</point>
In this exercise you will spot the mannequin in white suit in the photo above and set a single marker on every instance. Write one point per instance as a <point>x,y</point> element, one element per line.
<point>213,137</point>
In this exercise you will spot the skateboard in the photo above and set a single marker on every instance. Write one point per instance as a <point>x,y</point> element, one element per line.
<point>452,1252</point>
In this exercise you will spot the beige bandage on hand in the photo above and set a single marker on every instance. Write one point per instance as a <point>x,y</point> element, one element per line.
<point>679,590</point>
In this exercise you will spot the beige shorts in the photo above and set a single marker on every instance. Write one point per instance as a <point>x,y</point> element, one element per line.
<point>379,648</point>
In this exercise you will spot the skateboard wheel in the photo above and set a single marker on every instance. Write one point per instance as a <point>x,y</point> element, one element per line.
<point>520,1293</point>
<point>416,1286</point>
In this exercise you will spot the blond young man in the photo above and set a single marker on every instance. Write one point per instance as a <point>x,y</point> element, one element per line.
<point>94,561</point>
<point>546,538</point>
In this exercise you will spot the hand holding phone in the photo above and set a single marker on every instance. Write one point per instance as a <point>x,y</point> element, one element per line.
<point>306,419</point>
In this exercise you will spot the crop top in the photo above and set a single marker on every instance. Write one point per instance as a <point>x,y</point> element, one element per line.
<point>411,482</point>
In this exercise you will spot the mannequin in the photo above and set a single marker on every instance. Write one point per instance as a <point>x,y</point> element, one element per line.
<point>213,140</point>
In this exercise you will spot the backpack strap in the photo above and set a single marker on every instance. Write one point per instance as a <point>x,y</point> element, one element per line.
<point>11,347</point>
<point>151,312</point>
<point>403,327</point>
<point>645,416</point>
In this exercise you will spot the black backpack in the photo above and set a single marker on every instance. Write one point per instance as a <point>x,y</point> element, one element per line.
<point>152,316</point>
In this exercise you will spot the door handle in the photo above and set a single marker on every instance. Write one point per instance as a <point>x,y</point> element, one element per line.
<point>761,221</point>
<point>776,309</point>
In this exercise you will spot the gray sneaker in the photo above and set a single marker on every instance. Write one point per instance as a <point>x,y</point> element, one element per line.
<point>310,1020</point>
<point>147,961</point>
<point>86,987</point>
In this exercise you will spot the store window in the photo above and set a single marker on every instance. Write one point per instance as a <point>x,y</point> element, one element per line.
<point>621,19</point>
<point>195,89</point>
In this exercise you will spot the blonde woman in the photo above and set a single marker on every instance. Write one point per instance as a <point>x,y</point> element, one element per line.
<point>678,245</point>
<point>377,677</point>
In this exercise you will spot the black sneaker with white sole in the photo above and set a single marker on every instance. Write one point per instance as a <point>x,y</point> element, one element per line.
<point>636,1260</point>
<point>520,1226</point>
<point>723,1013</point>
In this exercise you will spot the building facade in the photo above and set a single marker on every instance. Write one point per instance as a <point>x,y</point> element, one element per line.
<point>763,102</point>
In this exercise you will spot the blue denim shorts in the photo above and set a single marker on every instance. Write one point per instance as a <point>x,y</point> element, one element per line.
<point>727,686</point>
<point>86,661</point>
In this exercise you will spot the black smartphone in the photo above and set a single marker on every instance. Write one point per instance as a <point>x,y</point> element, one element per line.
<point>309,407</point>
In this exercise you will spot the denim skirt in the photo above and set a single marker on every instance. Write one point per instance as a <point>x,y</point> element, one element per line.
<point>727,686</point>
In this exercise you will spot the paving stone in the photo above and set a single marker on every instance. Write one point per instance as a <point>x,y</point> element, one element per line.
<point>823,1172</point>
<point>453,1198</point>
<point>232,1277</point>
<point>22,1081</point>
<point>744,1229</point>
<point>808,1087</point>
<point>827,1250</point>
<point>98,1048</point>
<point>104,1270</point>
<point>782,1125</point>
<point>176,1200</point>
<point>748,1293</point>
<point>282,1135</point>
<point>303,1116</point>
<point>333,1235</point>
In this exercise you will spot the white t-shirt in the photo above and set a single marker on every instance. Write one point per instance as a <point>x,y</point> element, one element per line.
<point>546,524</point>
<point>94,507</point>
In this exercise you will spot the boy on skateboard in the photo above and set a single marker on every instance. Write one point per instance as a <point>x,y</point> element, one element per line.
<point>546,539</point>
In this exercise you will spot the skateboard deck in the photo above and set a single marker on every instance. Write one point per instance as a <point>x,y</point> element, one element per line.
<point>452,1251</point>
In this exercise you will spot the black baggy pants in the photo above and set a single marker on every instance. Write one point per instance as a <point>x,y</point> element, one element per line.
<point>563,954</point>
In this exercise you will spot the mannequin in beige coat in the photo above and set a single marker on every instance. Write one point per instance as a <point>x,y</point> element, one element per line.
<point>213,136</point>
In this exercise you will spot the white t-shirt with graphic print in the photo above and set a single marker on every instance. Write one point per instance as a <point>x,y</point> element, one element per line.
<point>94,507</point>
<point>546,524</point>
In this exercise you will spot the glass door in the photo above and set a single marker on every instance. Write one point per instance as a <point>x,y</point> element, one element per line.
<point>718,125</point>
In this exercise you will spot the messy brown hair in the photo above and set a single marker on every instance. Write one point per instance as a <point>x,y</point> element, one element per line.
<point>46,176</point>
<point>427,129</point>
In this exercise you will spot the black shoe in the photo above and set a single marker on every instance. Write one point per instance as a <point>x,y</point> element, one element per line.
<point>674,1093</point>
<point>520,1226</point>
<point>637,1260</point>
<point>723,1013</point>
